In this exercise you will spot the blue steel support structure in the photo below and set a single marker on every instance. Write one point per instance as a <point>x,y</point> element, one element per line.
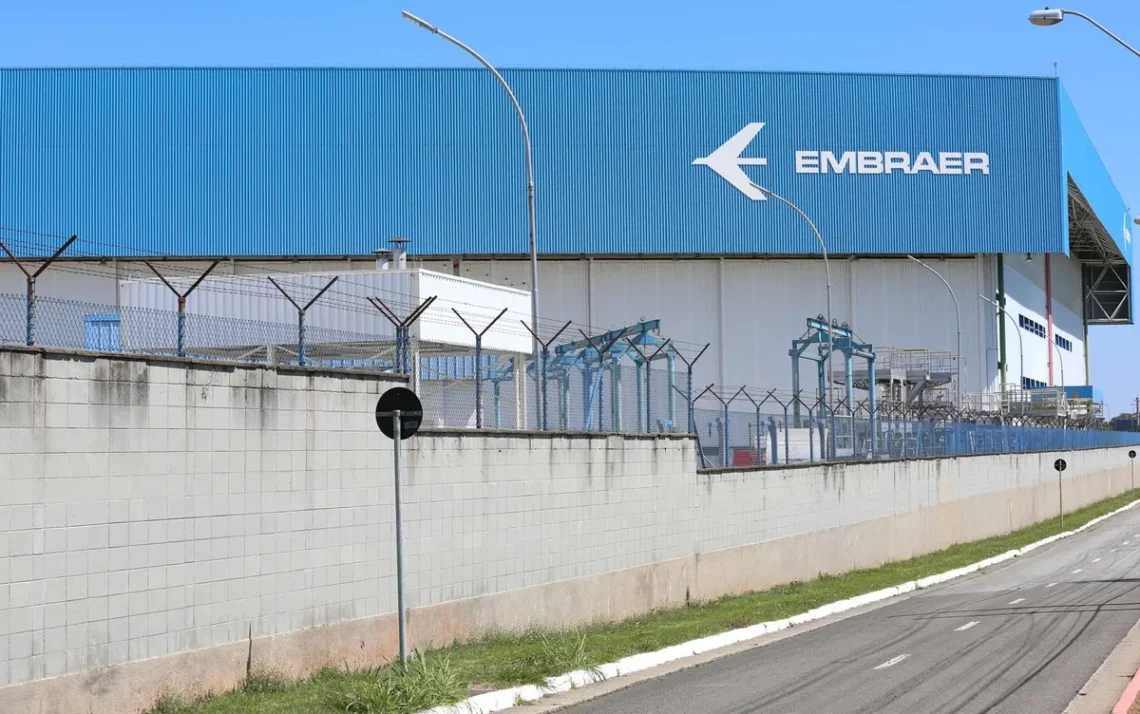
<point>843,340</point>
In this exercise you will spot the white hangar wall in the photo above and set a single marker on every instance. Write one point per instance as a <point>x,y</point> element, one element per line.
<point>751,309</point>
<point>1025,289</point>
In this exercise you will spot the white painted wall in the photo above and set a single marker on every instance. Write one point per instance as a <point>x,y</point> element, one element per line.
<point>750,310</point>
<point>1025,295</point>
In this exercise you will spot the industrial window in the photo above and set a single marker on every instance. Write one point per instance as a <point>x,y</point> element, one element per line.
<point>1030,325</point>
<point>1027,383</point>
<point>1063,343</point>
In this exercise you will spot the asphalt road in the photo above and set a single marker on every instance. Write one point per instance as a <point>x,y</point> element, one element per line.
<point>1021,638</point>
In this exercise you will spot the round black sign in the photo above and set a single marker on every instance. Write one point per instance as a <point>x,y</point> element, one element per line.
<point>409,406</point>
<point>1132,454</point>
<point>1060,465</point>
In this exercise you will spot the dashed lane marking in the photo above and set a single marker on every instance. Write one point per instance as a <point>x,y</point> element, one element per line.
<point>892,661</point>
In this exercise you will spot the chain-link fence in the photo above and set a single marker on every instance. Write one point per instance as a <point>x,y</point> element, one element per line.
<point>628,380</point>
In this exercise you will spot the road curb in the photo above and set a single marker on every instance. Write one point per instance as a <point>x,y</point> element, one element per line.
<point>506,698</point>
<point>1129,696</point>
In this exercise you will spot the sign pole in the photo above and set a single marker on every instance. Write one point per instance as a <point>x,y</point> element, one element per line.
<point>1060,465</point>
<point>399,414</point>
<point>1132,468</point>
<point>401,612</point>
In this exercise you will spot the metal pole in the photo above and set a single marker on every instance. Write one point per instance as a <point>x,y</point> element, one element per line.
<point>401,612</point>
<point>648,410</point>
<point>958,322</point>
<point>1016,329</point>
<point>545,357</point>
<point>181,326</point>
<point>724,441</point>
<point>1061,362</point>
<point>539,395</point>
<point>1102,28</point>
<point>689,400</point>
<point>1061,499</point>
<point>479,381</point>
<point>301,337</point>
<point>31,318</point>
<point>827,277</point>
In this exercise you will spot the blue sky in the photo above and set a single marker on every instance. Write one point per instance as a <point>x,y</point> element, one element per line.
<point>967,36</point>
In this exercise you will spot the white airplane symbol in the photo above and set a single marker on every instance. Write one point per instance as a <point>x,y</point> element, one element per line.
<point>726,161</point>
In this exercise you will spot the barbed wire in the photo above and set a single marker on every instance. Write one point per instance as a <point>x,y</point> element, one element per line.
<point>233,284</point>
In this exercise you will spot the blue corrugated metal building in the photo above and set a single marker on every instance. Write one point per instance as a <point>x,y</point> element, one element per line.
<point>334,161</point>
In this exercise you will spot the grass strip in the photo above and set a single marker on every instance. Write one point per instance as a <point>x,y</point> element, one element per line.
<point>448,675</point>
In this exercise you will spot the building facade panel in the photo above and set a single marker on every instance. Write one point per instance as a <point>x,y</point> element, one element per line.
<point>243,162</point>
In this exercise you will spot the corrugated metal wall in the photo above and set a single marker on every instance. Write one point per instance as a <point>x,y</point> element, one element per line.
<point>1083,163</point>
<point>336,161</point>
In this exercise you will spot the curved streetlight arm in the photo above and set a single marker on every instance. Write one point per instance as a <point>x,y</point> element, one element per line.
<point>424,24</point>
<point>1103,29</point>
<point>958,320</point>
<point>827,278</point>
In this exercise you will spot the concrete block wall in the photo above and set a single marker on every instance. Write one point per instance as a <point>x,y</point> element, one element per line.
<point>152,507</point>
<point>164,522</point>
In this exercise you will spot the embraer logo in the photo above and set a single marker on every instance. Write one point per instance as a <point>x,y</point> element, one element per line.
<point>727,162</point>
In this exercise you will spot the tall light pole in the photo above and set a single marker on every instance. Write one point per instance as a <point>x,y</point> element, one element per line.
<point>538,376</point>
<point>827,277</point>
<point>1049,17</point>
<point>1017,329</point>
<point>1060,361</point>
<point>957,319</point>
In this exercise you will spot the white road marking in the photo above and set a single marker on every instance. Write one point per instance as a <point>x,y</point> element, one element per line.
<point>1050,585</point>
<point>1112,551</point>
<point>892,661</point>
<point>967,626</point>
<point>1127,542</point>
<point>1096,560</point>
<point>1076,571</point>
<point>1014,602</point>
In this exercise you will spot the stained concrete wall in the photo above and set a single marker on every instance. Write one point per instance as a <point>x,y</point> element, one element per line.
<point>162,521</point>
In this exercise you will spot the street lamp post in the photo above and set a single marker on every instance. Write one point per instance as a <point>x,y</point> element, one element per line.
<point>1049,17</point>
<point>529,193</point>
<point>1060,361</point>
<point>958,320</point>
<point>827,276</point>
<point>1016,329</point>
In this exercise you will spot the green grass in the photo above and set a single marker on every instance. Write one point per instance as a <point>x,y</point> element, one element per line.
<point>448,675</point>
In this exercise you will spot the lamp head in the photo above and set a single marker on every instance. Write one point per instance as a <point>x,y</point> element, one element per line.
<point>1046,17</point>
<point>419,22</point>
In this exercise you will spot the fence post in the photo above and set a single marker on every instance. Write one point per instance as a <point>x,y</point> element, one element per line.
<point>648,360</point>
<point>602,352</point>
<point>399,360</point>
<point>689,384</point>
<point>181,322</point>
<point>545,376</point>
<point>540,370</point>
<point>301,314</point>
<point>30,317</point>
<point>479,365</point>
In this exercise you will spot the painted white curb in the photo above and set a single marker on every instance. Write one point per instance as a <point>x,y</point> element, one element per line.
<point>507,698</point>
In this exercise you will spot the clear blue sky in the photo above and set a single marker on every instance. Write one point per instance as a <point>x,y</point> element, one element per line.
<point>967,36</point>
